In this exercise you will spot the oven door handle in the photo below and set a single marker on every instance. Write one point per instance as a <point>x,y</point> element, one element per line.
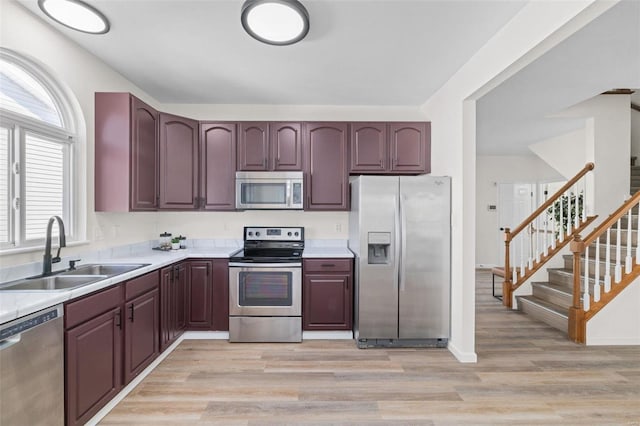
<point>264,265</point>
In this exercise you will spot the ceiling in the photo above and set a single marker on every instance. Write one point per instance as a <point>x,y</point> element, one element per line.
<point>363,52</point>
<point>602,56</point>
<point>380,52</point>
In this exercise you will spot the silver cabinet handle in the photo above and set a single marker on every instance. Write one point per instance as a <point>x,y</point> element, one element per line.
<point>7,343</point>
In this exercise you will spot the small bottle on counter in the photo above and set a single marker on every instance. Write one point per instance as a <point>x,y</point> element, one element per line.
<point>165,241</point>
<point>183,242</point>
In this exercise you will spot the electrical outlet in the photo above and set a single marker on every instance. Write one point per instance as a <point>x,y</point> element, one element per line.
<point>97,234</point>
<point>338,227</point>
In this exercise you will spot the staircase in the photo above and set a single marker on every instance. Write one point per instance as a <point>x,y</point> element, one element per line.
<point>550,301</point>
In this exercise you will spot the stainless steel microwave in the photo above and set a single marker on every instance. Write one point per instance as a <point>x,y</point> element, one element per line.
<point>269,190</point>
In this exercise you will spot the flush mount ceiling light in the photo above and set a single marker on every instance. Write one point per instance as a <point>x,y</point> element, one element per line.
<point>75,14</point>
<point>278,22</point>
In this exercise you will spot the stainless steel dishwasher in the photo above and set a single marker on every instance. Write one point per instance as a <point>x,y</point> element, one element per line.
<point>32,369</point>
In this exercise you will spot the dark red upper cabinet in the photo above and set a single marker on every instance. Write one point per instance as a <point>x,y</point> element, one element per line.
<point>410,145</point>
<point>327,177</point>
<point>286,146</point>
<point>253,146</point>
<point>126,150</point>
<point>368,147</point>
<point>269,146</point>
<point>178,162</point>
<point>218,166</point>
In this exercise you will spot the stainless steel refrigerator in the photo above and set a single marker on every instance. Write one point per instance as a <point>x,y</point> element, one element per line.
<point>400,232</point>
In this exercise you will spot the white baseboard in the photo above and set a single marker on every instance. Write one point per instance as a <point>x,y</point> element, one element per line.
<point>466,357</point>
<point>327,335</point>
<point>205,335</point>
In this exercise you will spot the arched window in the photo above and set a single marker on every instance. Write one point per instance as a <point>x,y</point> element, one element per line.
<point>37,136</point>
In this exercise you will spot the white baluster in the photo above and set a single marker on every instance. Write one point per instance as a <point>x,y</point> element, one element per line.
<point>586,300</point>
<point>547,243</point>
<point>522,234</point>
<point>530,248</point>
<point>576,219</point>
<point>627,260</point>
<point>596,287</point>
<point>561,233</point>
<point>638,239</point>
<point>618,269</point>
<point>607,264</point>
<point>538,251</point>
<point>554,226</point>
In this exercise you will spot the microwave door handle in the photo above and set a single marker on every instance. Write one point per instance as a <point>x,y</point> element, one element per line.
<point>288,189</point>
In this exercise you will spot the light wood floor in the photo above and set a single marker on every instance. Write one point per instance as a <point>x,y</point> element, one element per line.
<point>527,373</point>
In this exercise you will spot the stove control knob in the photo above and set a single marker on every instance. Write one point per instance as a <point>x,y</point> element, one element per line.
<point>289,233</point>
<point>296,233</point>
<point>250,233</point>
<point>257,233</point>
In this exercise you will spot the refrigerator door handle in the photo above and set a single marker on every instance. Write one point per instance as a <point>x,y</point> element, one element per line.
<point>403,242</point>
<point>396,243</point>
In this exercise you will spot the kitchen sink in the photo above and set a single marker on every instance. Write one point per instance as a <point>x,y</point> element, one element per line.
<point>51,283</point>
<point>109,269</point>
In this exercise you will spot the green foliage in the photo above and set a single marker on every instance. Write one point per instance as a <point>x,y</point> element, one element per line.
<point>568,218</point>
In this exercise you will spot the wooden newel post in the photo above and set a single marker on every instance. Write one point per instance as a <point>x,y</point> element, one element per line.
<point>576,313</point>
<point>506,284</point>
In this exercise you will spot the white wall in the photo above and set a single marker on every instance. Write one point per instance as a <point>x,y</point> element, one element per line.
<point>608,145</point>
<point>534,30</point>
<point>618,323</point>
<point>565,153</point>
<point>85,74</point>
<point>490,170</point>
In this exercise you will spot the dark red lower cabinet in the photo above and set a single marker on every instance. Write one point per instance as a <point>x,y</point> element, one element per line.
<point>93,365</point>
<point>142,316</point>
<point>199,295</point>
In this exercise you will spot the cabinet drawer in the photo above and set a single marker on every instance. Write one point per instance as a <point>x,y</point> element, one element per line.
<point>91,306</point>
<point>141,285</point>
<point>327,265</point>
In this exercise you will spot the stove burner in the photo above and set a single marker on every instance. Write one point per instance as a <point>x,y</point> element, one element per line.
<point>271,245</point>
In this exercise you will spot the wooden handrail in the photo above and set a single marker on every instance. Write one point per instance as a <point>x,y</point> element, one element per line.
<point>613,218</point>
<point>587,168</point>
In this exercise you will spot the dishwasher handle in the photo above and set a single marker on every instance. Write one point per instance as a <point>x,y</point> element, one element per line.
<point>7,343</point>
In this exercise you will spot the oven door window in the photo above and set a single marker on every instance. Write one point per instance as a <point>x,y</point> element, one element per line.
<point>263,193</point>
<point>265,289</point>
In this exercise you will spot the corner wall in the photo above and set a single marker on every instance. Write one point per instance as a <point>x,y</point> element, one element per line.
<point>538,27</point>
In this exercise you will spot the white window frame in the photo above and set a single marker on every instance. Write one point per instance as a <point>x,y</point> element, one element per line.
<point>67,135</point>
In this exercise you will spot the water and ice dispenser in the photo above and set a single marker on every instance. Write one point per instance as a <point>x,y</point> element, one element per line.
<point>379,247</point>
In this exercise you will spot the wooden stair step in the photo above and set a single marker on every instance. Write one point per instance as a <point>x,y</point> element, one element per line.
<point>553,293</point>
<point>564,277</point>
<point>568,262</point>
<point>635,170</point>
<point>549,313</point>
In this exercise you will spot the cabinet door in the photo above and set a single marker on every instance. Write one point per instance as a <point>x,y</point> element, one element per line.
<point>286,146</point>
<point>93,365</point>
<point>368,147</point>
<point>141,333</point>
<point>178,162</point>
<point>220,277</point>
<point>253,146</point>
<point>144,152</point>
<point>199,295</point>
<point>327,302</point>
<point>166,301</point>
<point>410,145</point>
<point>217,166</point>
<point>181,278</point>
<point>327,178</point>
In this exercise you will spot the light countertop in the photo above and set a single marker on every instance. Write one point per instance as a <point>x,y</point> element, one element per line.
<point>17,304</point>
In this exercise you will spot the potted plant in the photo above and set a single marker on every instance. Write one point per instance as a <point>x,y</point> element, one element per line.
<point>175,243</point>
<point>568,217</point>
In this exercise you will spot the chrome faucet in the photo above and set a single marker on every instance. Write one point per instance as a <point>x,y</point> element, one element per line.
<point>62,240</point>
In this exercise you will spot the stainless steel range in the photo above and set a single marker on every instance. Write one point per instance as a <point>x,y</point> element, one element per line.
<point>265,286</point>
